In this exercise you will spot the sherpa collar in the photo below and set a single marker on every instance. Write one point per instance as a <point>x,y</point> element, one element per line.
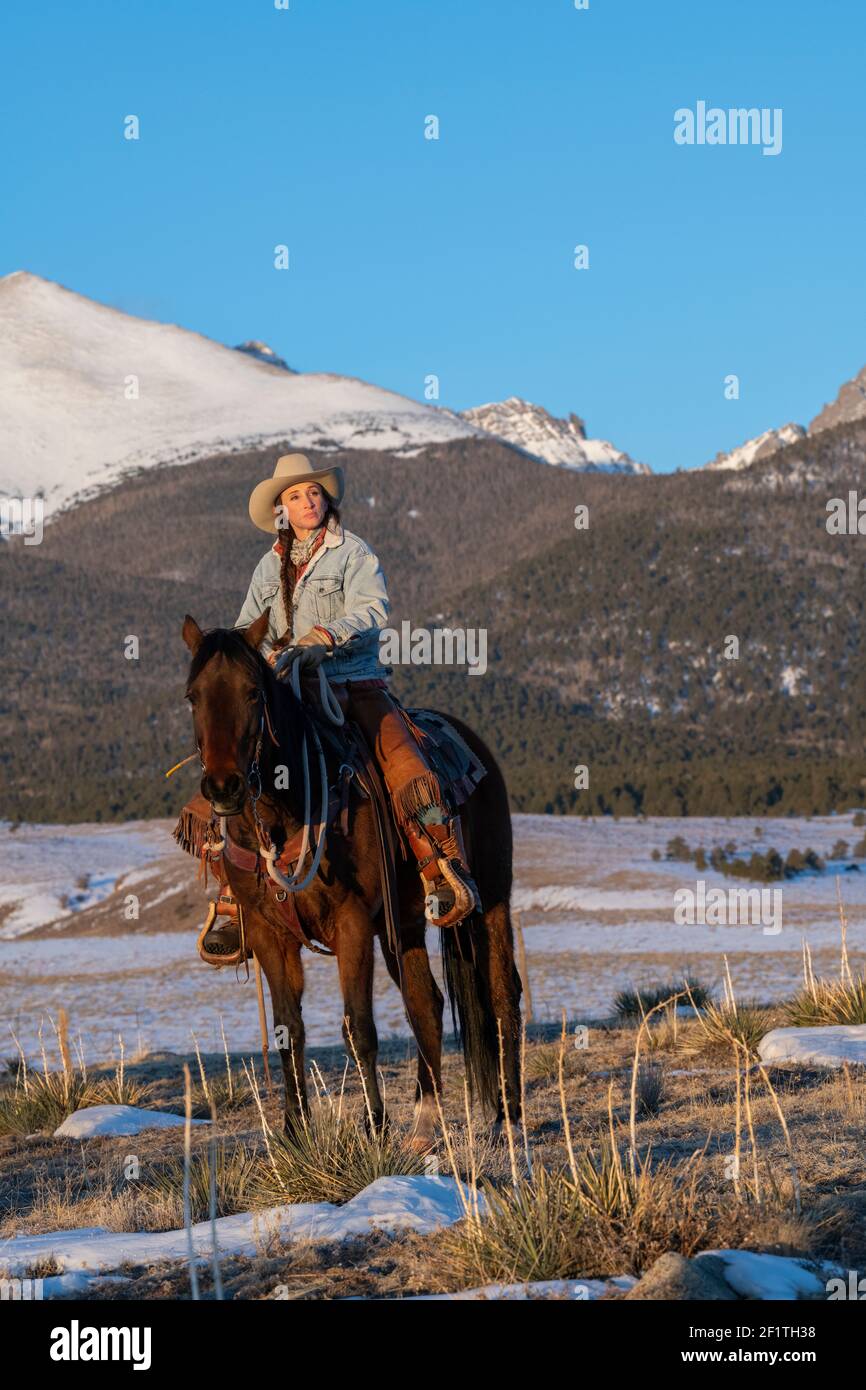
<point>333,535</point>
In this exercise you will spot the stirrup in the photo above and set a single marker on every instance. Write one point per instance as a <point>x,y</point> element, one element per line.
<point>454,870</point>
<point>218,959</point>
<point>460,888</point>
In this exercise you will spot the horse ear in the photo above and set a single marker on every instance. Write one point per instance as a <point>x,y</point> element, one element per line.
<point>191,633</point>
<point>257,631</point>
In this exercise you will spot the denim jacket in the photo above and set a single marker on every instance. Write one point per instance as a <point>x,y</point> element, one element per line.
<point>342,589</point>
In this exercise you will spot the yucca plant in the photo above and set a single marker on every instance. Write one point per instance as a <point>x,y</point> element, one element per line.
<point>542,1062</point>
<point>638,1210</point>
<point>828,1001</point>
<point>119,1089</point>
<point>236,1168</point>
<point>225,1093</point>
<point>631,1005</point>
<point>528,1230</point>
<point>42,1100</point>
<point>331,1158</point>
<point>745,1022</point>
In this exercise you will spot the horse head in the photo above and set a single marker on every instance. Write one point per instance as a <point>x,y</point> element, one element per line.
<point>227,689</point>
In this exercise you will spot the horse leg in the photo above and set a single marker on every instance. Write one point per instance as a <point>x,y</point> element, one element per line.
<point>355,964</point>
<point>503,982</point>
<point>281,962</point>
<point>423,1000</point>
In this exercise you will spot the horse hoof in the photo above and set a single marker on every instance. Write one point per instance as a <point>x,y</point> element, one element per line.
<point>498,1133</point>
<point>377,1128</point>
<point>421,1143</point>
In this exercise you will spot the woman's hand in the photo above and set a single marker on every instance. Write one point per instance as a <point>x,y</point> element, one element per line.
<point>309,652</point>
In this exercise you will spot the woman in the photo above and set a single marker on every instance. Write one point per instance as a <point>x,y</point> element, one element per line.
<point>333,586</point>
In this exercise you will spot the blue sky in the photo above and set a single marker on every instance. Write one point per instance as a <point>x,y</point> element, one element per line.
<point>454,257</point>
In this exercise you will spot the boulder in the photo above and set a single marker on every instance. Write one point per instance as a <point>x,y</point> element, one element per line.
<point>675,1278</point>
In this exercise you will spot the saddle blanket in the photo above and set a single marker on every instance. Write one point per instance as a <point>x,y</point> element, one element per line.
<point>459,769</point>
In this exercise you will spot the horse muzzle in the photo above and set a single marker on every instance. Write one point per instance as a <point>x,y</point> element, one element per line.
<point>226,795</point>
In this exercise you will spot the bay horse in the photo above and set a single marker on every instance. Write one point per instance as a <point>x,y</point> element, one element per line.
<point>235,695</point>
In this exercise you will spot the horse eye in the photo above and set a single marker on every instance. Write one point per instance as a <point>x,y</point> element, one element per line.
<point>252,695</point>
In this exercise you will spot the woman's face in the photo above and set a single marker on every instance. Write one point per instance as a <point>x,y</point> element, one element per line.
<point>304,505</point>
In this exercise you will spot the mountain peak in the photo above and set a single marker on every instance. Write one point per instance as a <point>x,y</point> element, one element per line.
<point>761,447</point>
<point>92,392</point>
<point>25,279</point>
<point>561,442</point>
<point>850,404</point>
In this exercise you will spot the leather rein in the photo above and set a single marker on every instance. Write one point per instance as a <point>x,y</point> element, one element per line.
<point>283,880</point>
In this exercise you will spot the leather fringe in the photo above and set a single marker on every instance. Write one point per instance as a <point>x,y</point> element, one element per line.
<point>423,791</point>
<point>191,832</point>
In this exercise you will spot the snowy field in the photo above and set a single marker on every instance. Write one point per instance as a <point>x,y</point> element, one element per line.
<point>596,909</point>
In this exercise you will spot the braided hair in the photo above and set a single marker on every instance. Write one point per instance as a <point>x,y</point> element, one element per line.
<point>287,570</point>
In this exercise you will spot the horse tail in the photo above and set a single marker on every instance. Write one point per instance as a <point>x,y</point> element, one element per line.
<point>464,950</point>
<point>481,979</point>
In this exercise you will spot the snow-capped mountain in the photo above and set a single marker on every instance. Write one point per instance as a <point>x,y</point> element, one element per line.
<point>534,430</point>
<point>89,393</point>
<point>761,447</point>
<point>850,404</point>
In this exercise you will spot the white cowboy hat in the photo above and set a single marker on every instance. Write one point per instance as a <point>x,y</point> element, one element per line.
<point>291,468</point>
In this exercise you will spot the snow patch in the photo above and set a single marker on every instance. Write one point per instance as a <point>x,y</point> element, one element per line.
<point>422,1204</point>
<point>116,1119</point>
<point>762,446</point>
<point>582,1290</point>
<point>828,1046</point>
<point>753,1274</point>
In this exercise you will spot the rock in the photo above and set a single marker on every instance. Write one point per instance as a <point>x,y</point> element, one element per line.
<point>673,1277</point>
<point>850,404</point>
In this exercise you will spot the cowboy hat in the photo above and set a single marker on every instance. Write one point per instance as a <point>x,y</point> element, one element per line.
<point>291,468</point>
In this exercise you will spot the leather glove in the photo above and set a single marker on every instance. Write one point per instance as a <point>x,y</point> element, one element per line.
<point>309,653</point>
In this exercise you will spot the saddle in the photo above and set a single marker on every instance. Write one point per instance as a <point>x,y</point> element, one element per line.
<point>459,771</point>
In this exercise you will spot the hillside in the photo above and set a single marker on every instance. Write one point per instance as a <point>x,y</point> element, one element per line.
<point>604,648</point>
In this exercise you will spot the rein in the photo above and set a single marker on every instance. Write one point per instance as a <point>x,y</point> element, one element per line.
<point>268,852</point>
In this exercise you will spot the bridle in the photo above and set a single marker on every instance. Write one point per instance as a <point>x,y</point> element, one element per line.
<point>267,850</point>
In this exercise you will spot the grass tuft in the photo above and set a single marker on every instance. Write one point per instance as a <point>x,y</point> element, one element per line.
<point>331,1158</point>
<point>827,1001</point>
<point>41,1101</point>
<point>632,1004</point>
<point>236,1170</point>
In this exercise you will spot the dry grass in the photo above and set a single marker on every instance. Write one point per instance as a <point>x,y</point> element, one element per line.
<point>823,1002</point>
<point>626,1153</point>
<point>631,1004</point>
<point>237,1169</point>
<point>331,1158</point>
